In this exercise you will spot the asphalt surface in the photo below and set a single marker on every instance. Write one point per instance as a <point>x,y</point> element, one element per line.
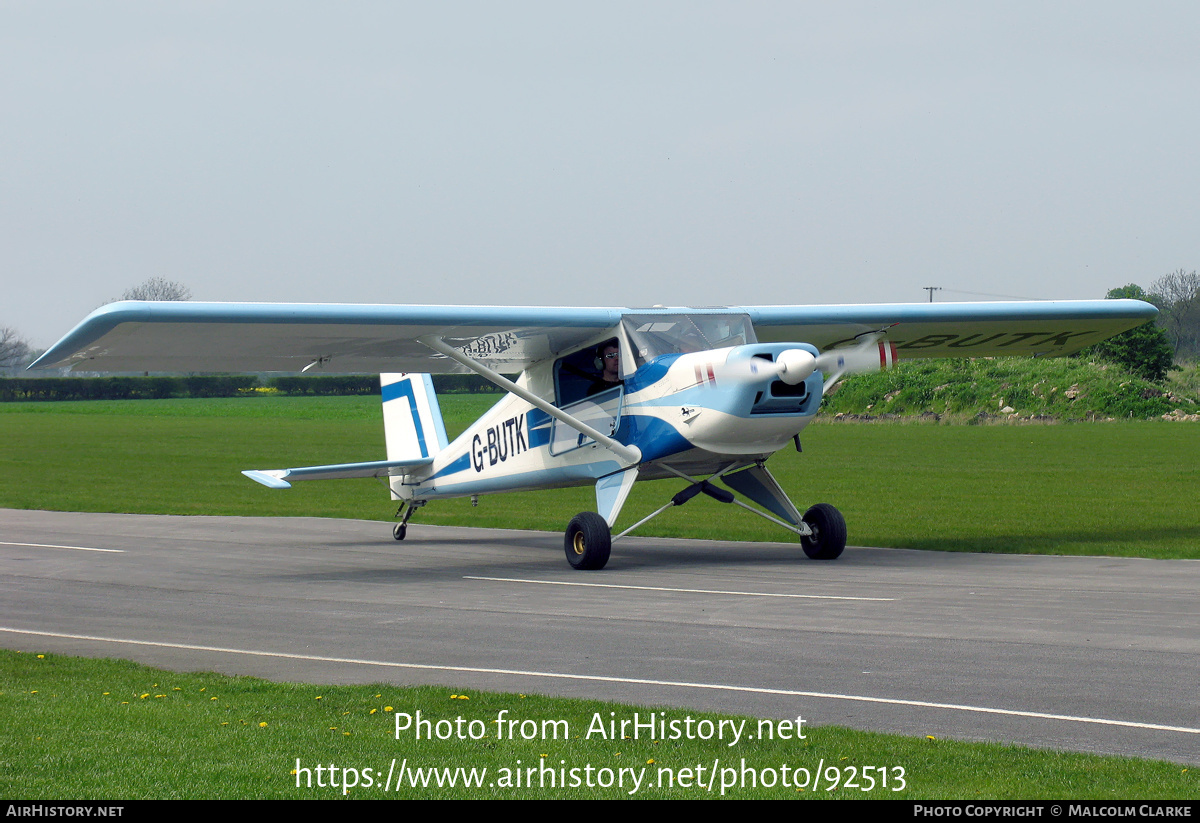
<point>1087,654</point>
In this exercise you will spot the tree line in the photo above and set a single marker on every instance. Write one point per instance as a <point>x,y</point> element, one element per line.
<point>1152,349</point>
<point>1177,296</point>
<point>215,385</point>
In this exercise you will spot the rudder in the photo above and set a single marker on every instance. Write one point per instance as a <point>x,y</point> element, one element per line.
<point>412,420</point>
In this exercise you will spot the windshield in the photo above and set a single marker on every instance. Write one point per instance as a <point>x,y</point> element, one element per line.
<point>652,335</point>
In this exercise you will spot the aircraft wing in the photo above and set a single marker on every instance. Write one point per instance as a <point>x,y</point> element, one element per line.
<point>134,336</point>
<point>921,330</point>
<point>348,338</point>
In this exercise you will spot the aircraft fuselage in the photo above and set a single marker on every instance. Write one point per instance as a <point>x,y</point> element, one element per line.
<point>695,412</point>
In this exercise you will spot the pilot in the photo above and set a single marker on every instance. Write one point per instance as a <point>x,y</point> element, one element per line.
<point>608,359</point>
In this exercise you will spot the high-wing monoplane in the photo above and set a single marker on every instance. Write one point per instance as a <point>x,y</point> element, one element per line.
<point>602,397</point>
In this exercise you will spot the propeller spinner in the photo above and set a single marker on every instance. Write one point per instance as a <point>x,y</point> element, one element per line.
<point>794,366</point>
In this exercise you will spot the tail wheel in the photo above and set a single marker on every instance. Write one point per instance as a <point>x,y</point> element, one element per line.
<point>588,541</point>
<point>828,532</point>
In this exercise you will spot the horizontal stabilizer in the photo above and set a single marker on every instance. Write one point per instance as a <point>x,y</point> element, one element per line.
<point>278,478</point>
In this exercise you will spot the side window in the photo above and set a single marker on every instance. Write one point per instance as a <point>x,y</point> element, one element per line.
<point>586,372</point>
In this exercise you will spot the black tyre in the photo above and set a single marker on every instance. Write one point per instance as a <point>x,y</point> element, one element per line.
<point>829,532</point>
<point>399,530</point>
<point>588,541</point>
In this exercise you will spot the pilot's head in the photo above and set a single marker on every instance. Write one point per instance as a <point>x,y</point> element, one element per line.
<point>608,360</point>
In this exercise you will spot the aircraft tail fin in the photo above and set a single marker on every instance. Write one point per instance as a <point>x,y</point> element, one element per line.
<point>412,419</point>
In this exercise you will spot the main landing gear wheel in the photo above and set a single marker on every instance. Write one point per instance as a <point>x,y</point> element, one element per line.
<point>399,530</point>
<point>828,532</point>
<point>588,541</point>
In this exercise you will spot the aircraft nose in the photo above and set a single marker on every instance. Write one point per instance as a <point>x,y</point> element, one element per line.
<point>794,366</point>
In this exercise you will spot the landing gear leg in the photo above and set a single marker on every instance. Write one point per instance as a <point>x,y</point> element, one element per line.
<point>401,529</point>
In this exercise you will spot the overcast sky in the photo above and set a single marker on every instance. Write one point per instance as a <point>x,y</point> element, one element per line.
<point>567,153</point>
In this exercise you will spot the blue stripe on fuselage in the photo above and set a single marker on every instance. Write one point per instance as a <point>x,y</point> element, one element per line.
<point>538,427</point>
<point>654,437</point>
<point>538,478</point>
<point>454,467</point>
<point>650,373</point>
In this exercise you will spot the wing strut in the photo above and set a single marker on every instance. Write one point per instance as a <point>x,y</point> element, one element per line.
<point>631,455</point>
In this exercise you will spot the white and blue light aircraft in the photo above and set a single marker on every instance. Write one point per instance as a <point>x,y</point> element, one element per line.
<point>697,394</point>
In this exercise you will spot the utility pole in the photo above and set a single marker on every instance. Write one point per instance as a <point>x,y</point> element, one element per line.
<point>931,290</point>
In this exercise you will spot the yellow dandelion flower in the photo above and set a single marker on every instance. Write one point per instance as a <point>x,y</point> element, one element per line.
<point>41,657</point>
<point>204,689</point>
<point>106,694</point>
<point>293,771</point>
<point>144,696</point>
<point>262,725</point>
<point>930,737</point>
<point>34,691</point>
<point>373,711</point>
<point>124,702</point>
<point>318,697</point>
<point>650,762</point>
<point>387,708</point>
<point>176,689</point>
<point>347,734</point>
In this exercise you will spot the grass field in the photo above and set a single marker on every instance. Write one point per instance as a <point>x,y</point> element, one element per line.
<point>1122,488</point>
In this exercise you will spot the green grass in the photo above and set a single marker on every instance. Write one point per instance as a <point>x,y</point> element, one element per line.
<point>1063,388</point>
<point>1184,380</point>
<point>105,729</point>
<point>1125,488</point>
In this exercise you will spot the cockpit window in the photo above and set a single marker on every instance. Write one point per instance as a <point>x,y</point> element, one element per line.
<point>655,334</point>
<point>587,372</point>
